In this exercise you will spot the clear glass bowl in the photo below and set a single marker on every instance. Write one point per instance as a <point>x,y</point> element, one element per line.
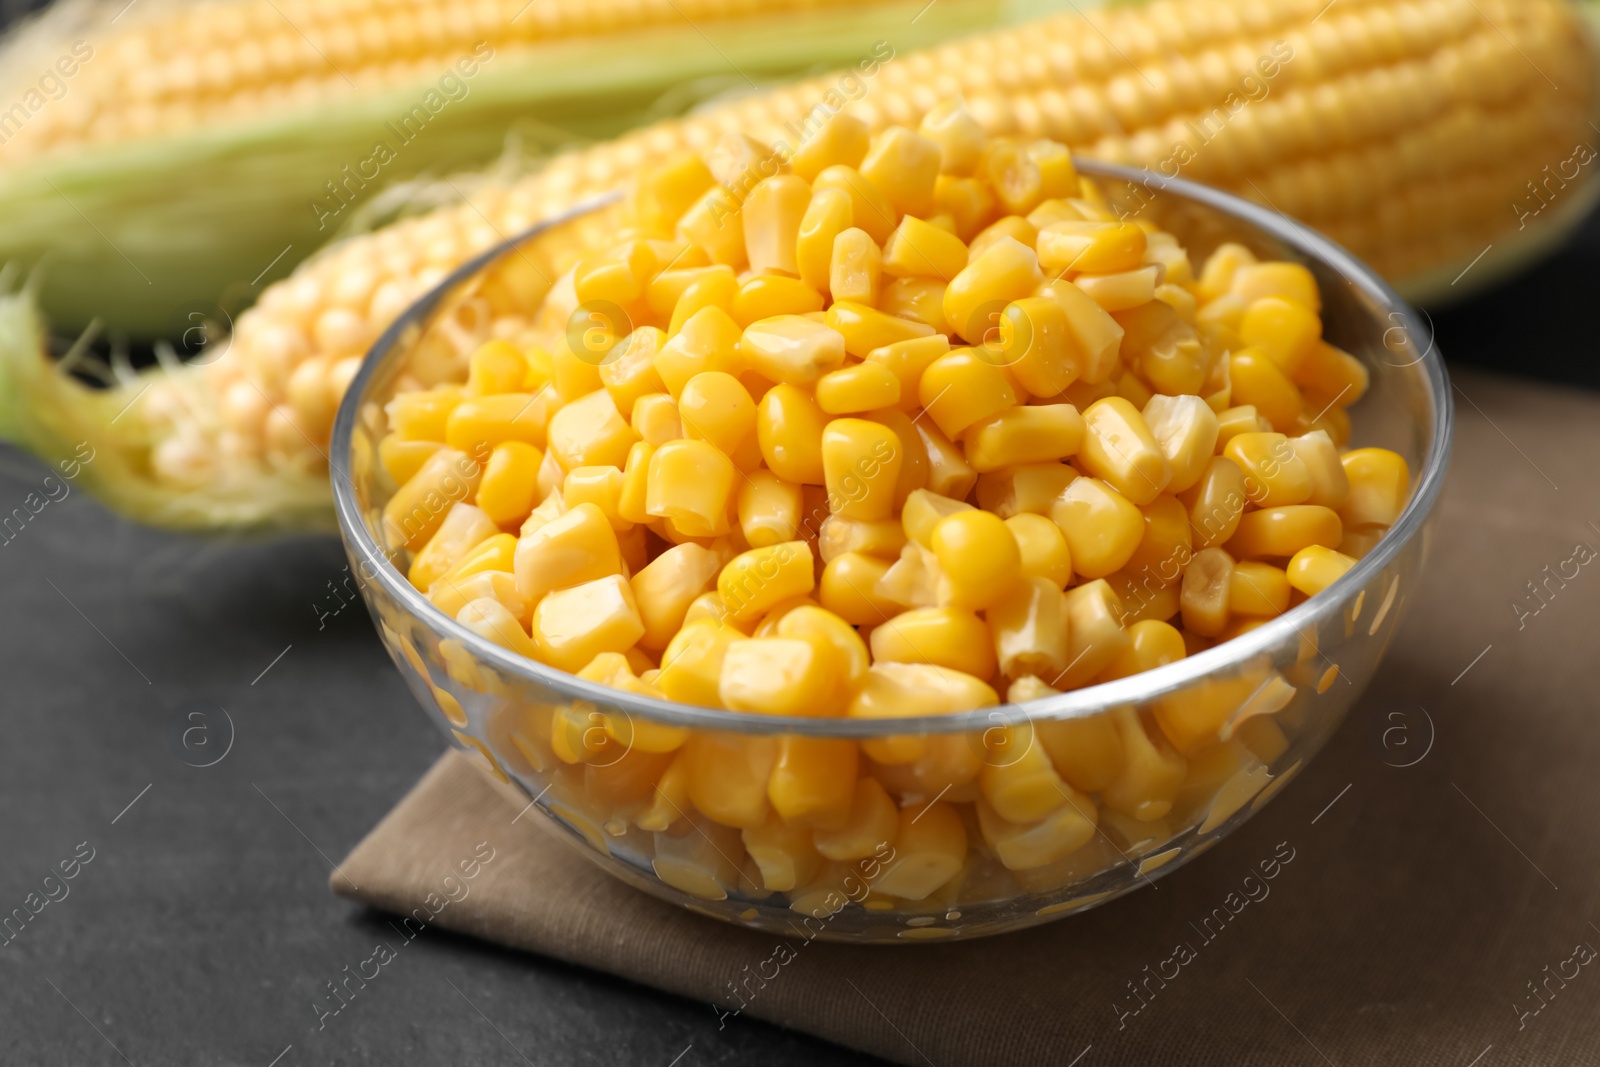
<point>1255,708</point>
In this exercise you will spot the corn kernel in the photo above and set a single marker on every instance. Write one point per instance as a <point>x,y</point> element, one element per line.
<point>1257,590</point>
<point>861,463</point>
<point>961,388</point>
<point>1014,175</point>
<point>842,140</point>
<point>1006,270</point>
<point>1167,545</point>
<point>464,528</point>
<point>728,776</point>
<point>923,510</point>
<point>628,371</point>
<point>1013,226</point>
<point>792,349</point>
<point>857,388</point>
<point>904,165</point>
<point>495,553</point>
<point>713,224</point>
<point>871,823</point>
<point>401,458</point>
<point>575,624</point>
<point>1095,335</point>
<point>1152,772</point>
<point>496,367</point>
<point>1330,486</point>
<point>1151,644</point>
<point>855,267</point>
<point>783,854</point>
<point>766,296</point>
<point>1102,527</point>
<point>1274,473</point>
<point>920,249</point>
<point>1204,597</point>
<point>1185,430</point>
<point>949,474</point>
<point>1030,627</point>
<point>1043,548</point>
<point>918,299</point>
<point>1037,346</point>
<point>1281,532</point>
<point>1090,247</point>
<point>978,559</point>
<point>930,848</point>
<point>1122,290</point>
<point>691,664</point>
<point>754,581</point>
<point>1028,487</point>
<point>1333,376</point>
<point>664,192</point>
<point>1035,434</point>
<point>493,621</point>
<point>1216,502</point>
<point>1086,752</point>
<point>1096,636</point>
<point>716,408</point>
<point>969,202</point>
<point>590,432</point>
<point>1290,281</point>
<point>1285,330</point>
<point>771,217</point>
<point>865,329</point>
<point>849,589</point>
<point>776,676</point>
<point>828,215</point>
<point>947,637</point>
<point>870,209</point>
<point>423,415</point>
<point>418,507</point>
<point>450,594</point>
<point>578,546</point>
<point>1259,382</point>
<point>600,486</point>
<point>1315,567</point>
<point>695,858</point>
<point>913,581</point>
<point>655,418</point>
<point>1379,483</point>
<point>666,289</point>
<point>1119,447</point>
<point>477,424</point>
<point>690,483</point>
<point>707,340</point>
<point>664,589</point>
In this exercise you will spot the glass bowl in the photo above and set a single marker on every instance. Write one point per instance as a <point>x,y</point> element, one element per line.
<point>661,802</point>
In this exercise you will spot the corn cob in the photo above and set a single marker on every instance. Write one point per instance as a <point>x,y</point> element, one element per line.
<point>1412,131</point>
<point>166,158</point>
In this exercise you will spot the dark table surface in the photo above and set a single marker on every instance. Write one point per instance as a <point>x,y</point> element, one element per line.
<point>203,931</point>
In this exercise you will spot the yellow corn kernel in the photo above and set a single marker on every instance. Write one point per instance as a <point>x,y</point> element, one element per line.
<point>669,801</point>
<point>1120,291</point>
<point>1315,567</point>
<point>1131,388</point>
<point>1204,598</point>
<point>450,594</point>
<point>728,776</point>
<point>402,458</point>
<point>578,734</point>
<point>777,676</point>
<point>477,424</point>
<point>464,528</point>
<point>769,509</point>
<point>575,371</point>
<point>839,642</point>
<point>1102,527</point>
<point>922,250</point>
<point>1090,247</point>
<point>690,484</point>
<point>918,299</point>
<point>783,854</point>
<point>1034,434</point>
<point>1004,271</point>
<point>1257,590</point>
<point>930,848</point>
<point>664,589</point>
<point>1028,487</point>
<point>1152,772</point>
<point>664,192</point>
<point>1096,636</point>
<point>624,781</point>
<point>634,493</point>
<point>1013,226</point>
<point>707,340</point>
<point>600,486</point>
<point>1030,627</point>
<point>573,625</point>
<point>865,329</point>
<point>907,360</point>
<point>842,140</point>
<point>1057,175</point>
<point>1014,174</point>
<point>1026,847</point>
<point>828,215</point>
<point>870,209</point>
<point>771,217</point>
<point>698,857</point>
<point>855,267</point>
<point>590,432</point>
<point>969,202</point>
<point>1216,502</point>
<point>423,415</point>
<point>792,349</point>
<point>1185,430</point>
<point>861,463</point>
<point>1017,779</point>
<point>1220,270</point>
<point>691,664</point>
<point>1086,752</point>
<point>493,621</point>
<point>713,224</point>
<point>655,418</point>
<point>961,388</point>
<point>496,367</point>
<point>1334,376</point>
<point>495,553</point>
<point>578,546</point>
<point>418,508</point>
<point>959,137</point>
<point>1043,548</point>
<point>549,487</point>
<point>1330,486</point>
<point>1144,596</point>
<point>666,289</point>
<point>1151,644</point>
<point>849,589</point>
<point>755,581</point>
<point>814,784</point>
<point>1379,484</point>
<point>1274,474</point>
<point>717,409</point>
<point>946,637</point>
<point>1257,381</point>
<point>1167,545</point>
<point>869,824</point>
<point>904,165</point>
<point>949,474</point>
<point>900,690</point>
<point>1037,346</point>
<point>1286,330</point>
<point>856,388</point>
<point>766,296</point>
<point>979,560</point>
<point>628,371</point>
<point>1094,335</point>
<point>925,509</point>
<point>1231,422</point>
<point>913,580</point>
<point>789,428</point>
<point>1278,533</point>
<point>1119,447</point>
<point>1289,281</point>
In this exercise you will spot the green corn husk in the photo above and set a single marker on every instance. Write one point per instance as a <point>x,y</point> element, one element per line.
<point>149,235</point>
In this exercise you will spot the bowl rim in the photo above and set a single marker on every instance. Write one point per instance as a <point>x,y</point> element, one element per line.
<point>1072,704</point>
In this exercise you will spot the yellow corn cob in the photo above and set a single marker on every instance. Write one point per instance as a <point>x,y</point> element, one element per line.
<point>167,157</point>
<point>1410,130</point>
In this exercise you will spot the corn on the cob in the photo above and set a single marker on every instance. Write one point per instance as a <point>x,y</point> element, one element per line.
<point>1413,131</point>
<point>166,158</point>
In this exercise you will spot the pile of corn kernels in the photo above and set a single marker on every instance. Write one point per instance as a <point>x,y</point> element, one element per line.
<point>888,427</point>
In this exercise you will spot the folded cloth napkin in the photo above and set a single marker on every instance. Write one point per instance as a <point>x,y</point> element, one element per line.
<point>1425,893</point>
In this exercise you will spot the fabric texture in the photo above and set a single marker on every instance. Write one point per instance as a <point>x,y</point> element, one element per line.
<point>1434,889</point>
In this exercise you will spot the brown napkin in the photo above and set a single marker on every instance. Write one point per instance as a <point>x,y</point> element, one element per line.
<point>1434,896</point>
